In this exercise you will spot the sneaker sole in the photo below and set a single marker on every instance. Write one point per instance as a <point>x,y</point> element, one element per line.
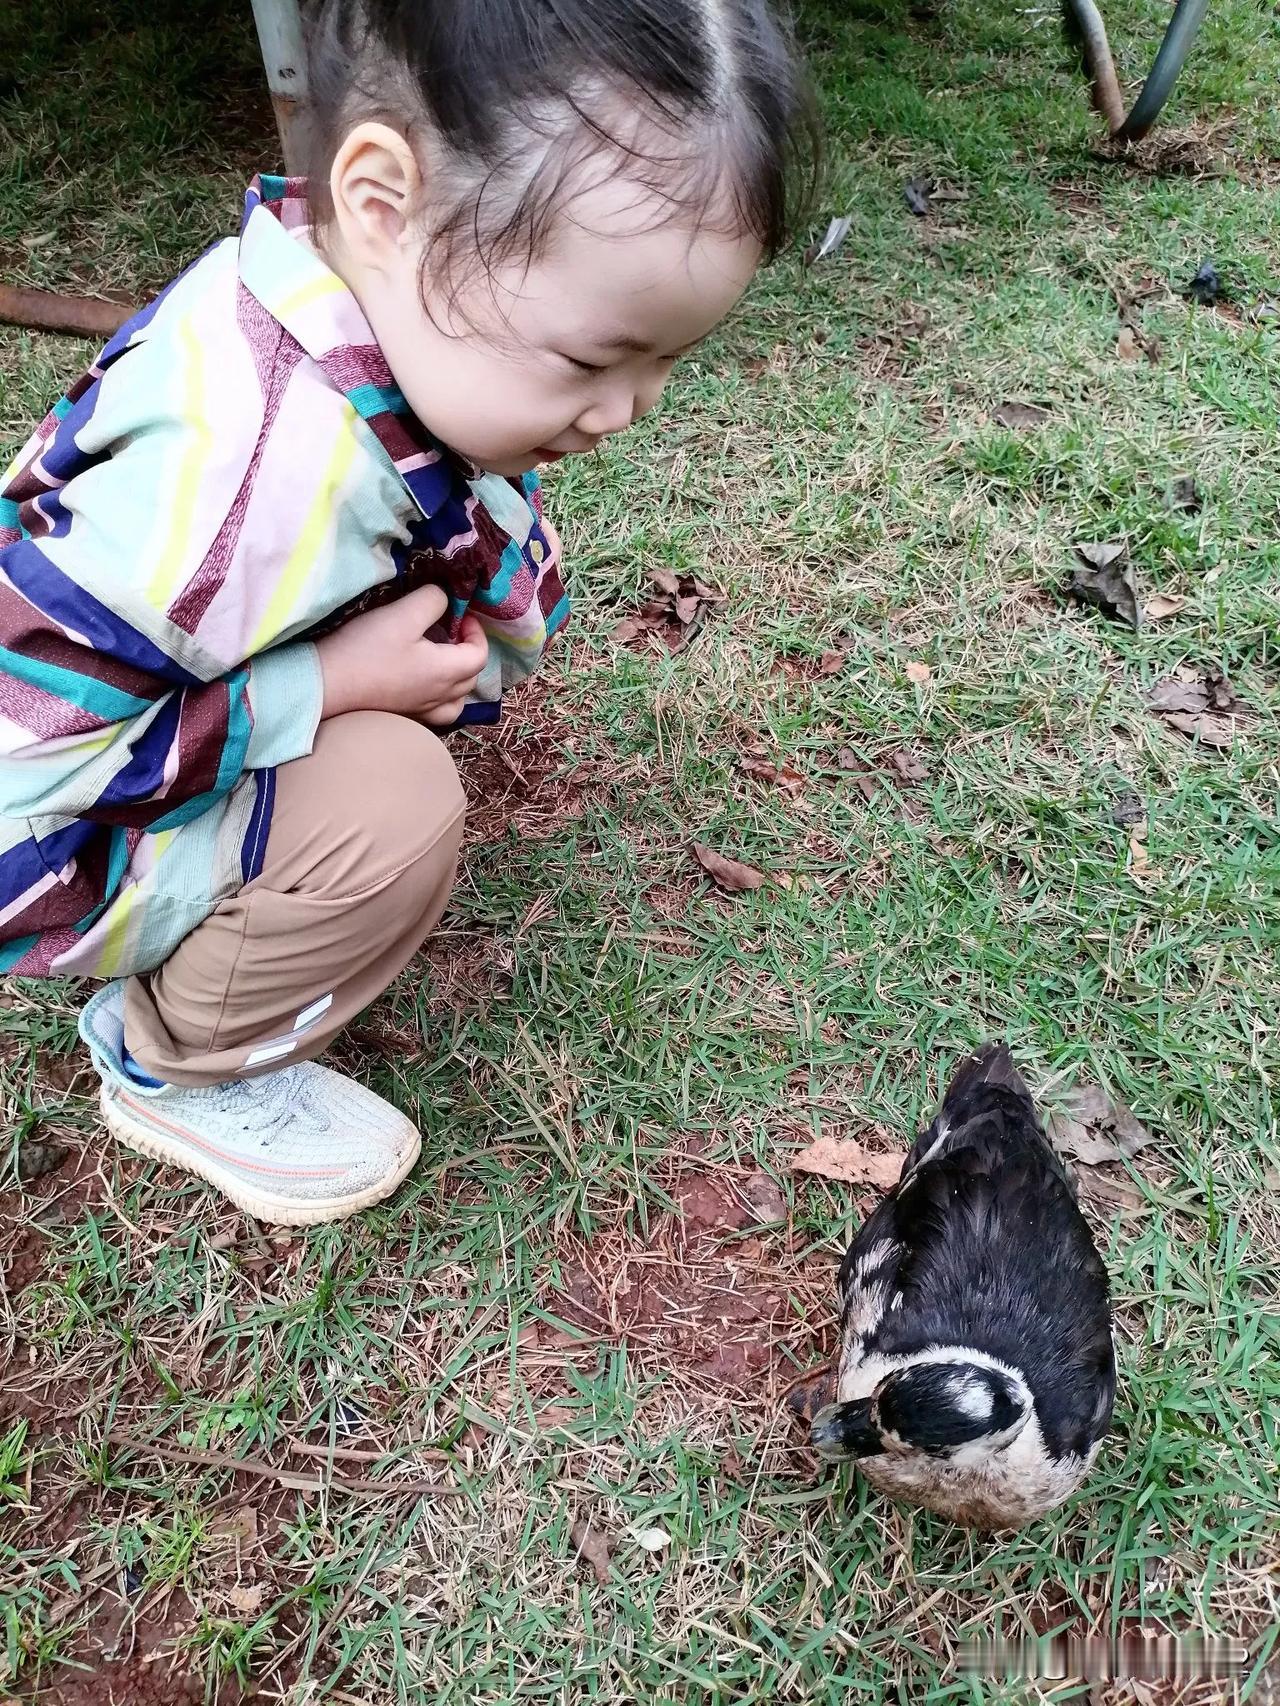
<point>280,1211</point>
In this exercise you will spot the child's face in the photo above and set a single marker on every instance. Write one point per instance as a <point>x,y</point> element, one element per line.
<point>547,360</point>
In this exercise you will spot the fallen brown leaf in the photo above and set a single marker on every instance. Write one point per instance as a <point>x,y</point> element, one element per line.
<point>1019,417</point>
<point>1105,578</point>
<point>908,764</point>
<point>1207,709</point>
<point>1093,1127</point>
<point>782,776</point>
<point>842,1158</point>
<point>1163,605</point>
<point>593,1545</point>
<point>731,874</point>
<point>864,778</point>
<point>806,1396</point>
<point>1118,1193</point>
<point>239,1524</point>
<point>1139,860</point>
<point>675,615</point>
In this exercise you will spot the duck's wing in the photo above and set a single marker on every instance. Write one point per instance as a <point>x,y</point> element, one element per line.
<point>986,1086</point>
<point>992,1254</point>
<point>868,1277</point>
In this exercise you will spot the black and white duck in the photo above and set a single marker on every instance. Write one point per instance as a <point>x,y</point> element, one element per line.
<point>977,1371</point>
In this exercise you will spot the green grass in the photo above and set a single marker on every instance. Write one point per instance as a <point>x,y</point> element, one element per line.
<point>599,1019</point>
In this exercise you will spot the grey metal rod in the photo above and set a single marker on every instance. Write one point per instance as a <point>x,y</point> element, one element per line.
<point>284,54</point>
<point>1186,21</point>
<point>1107,95</point>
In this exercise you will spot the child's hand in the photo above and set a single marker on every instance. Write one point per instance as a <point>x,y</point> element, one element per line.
<point>381,662</point>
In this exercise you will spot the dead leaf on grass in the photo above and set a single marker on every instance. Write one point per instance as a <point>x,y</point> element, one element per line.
<point>918,672</point>
<point>806,1396</point>
<point>730,874</point>
<point>908,765</point>
<point>917,192</point>
<point>1020,417</point>
<point>781,775</point>
<point>1162,605</point>
<point>1206,709</point>
<point>675,616</point>
<point>593,1545</point>
<point>843,1159</point>
<point>1105,578</point>
<point>832,239</point>
<point>1120,1194</point>
<point>864,777</point>
<point>1094,1128</point>
<point>1139,860</point>
<point>35,1159</point>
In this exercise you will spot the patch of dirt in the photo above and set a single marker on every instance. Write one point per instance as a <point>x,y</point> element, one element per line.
<point>55,1198</point>
<point>522,774</point>
<point>715,1293</point>
<point>149,1671</point>
<point>1193,151</point>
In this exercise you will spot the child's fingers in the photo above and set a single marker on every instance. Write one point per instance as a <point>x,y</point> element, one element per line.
<point>423,607</point>
<point>442,716</point>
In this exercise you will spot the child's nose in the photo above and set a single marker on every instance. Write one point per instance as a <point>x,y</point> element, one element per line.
<point>613,410</point>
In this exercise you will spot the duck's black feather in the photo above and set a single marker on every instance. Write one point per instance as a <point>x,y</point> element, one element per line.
<point>983,1239</point>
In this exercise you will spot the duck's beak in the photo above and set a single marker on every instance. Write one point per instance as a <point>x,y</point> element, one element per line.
<point>845,1430</point>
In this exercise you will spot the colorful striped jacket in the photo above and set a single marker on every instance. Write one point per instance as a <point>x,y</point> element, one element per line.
<point>236,473</point>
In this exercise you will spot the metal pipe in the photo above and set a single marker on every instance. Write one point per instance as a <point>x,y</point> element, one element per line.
<point>1107,97</point>
<point>284,54</point>
<point>1186,21</point>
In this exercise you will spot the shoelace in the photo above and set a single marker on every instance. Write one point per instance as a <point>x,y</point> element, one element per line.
<point>266,1105</point>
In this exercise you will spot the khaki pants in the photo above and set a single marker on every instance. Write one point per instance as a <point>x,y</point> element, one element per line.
<point>360,860</point>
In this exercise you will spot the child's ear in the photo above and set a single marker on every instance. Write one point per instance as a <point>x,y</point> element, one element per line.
<point>374,182</point>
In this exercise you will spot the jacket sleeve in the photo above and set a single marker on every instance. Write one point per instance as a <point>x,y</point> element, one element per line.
<point>97,723</point>
<point>121,700</point>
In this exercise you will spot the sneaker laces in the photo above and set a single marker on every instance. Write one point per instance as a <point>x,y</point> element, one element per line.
<point>266,1106</point>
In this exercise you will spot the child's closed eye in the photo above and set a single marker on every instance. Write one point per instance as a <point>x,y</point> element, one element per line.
<point>580,366</point>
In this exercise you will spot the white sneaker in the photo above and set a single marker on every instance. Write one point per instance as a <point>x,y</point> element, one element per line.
<point>297,1147</point>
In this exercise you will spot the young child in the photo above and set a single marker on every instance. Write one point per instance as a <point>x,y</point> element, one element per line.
<point>289,523</point>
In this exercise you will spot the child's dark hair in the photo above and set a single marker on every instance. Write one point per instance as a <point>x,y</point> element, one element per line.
<point>702,101</point>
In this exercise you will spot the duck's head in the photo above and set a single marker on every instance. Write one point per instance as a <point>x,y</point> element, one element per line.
<point>953,1410</point>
